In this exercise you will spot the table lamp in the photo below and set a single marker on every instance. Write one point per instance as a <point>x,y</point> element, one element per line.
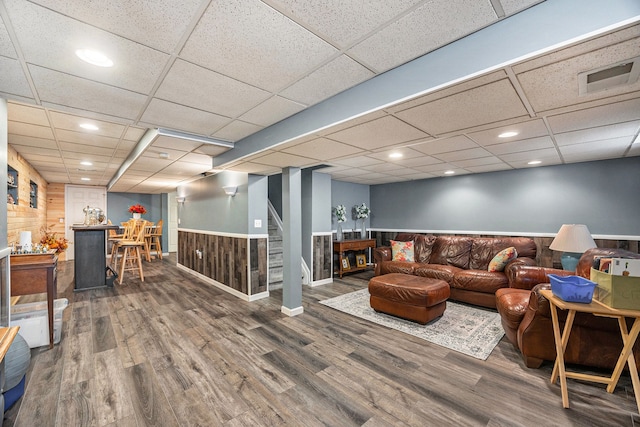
<point>573,240</point>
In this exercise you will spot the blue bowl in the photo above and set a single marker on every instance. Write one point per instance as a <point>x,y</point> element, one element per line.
<point>572,288</point>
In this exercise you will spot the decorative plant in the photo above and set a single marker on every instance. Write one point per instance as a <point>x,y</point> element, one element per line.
<point>341,213</point>
<point>51,239</point>
<point>137,209</point>
<point>362,211</point>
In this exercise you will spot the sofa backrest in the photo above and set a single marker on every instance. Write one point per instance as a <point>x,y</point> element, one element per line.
<point>485,248</point>
<point>464,251</point>
<point>586,260</point>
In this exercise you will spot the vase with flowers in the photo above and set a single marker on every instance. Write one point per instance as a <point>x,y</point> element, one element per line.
<point>341,216</point>
<point>51,240</point>
<point>362,212</point>
<point>137,211</point>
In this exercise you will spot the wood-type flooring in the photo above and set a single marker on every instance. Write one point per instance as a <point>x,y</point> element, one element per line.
<point>175,351</point>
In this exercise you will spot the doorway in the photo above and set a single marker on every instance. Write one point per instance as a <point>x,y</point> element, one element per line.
<point>76,198</point>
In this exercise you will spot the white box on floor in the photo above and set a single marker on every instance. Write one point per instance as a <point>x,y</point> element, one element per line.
<point>33,320</point>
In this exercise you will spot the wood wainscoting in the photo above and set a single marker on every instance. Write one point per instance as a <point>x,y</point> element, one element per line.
<point>237,262</point>
<point>545,257</point>
<point>322,261</point>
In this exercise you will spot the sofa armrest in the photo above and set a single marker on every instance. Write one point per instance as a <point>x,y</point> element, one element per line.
<point>527,276</point>
<point>381,253</point>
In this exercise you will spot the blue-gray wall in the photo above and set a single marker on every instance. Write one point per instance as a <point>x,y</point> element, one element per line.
<point>208,208</point>
<point>155,204</point>
<point>604,195</point>
<point>349,195</point>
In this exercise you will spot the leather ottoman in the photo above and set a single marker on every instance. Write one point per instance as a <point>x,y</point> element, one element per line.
<point>416,298</point>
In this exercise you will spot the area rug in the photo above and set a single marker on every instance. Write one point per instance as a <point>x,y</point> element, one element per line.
<point>473,331</point>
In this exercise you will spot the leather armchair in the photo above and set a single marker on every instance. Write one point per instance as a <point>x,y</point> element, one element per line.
<point>526,318</point>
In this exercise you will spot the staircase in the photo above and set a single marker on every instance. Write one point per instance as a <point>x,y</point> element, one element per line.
<point>275,254</point>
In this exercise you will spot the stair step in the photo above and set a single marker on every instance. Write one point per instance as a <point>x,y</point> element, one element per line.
<point>276,259</point>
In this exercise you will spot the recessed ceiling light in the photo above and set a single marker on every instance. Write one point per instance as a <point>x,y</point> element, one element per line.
<point>449,172</point>
<point>507,134</point>
<point>163,155</point>
<point>94,57</point>
<point>89,126</point>
<point>534,162</point>
<point>85,179</point>
<point>395,155</point>
<point>86,163</point>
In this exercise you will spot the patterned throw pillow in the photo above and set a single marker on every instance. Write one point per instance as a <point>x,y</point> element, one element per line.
<point>502,258</point>
<point>402,251</point>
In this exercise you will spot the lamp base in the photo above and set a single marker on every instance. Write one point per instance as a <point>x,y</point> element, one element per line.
<point>569,260</point>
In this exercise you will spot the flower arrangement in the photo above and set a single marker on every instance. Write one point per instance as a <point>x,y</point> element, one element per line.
<point>137,209</point>
<point>52,240</point>
<point>341,213</point>
<point>362,211</point>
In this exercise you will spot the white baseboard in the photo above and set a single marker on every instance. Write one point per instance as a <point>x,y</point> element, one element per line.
<point>292,311</point>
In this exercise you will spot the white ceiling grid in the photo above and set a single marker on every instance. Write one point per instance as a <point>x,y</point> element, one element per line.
<point>228,69</point>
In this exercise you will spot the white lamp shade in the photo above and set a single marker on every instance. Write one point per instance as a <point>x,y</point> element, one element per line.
<point>573,238</point>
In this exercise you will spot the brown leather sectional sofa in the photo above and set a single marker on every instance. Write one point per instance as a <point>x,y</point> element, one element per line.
<point>526,318</point>
<point>461,261</point>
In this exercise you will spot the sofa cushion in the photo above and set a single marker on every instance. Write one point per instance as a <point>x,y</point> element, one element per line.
<point>387,267</point>
<point>422,245</point>
<point>452,250</point>
<point>485,248</point>
<point>480,280</point>
<point>402,251</point>
<point>502,258</point>
<point>437,271</point>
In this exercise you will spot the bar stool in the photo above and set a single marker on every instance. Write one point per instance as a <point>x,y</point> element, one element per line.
<point>115,239</point>
<point>131,251</point>
<point>154,240</point>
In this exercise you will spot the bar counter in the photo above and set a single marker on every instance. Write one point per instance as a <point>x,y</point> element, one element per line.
<point>90,254</point>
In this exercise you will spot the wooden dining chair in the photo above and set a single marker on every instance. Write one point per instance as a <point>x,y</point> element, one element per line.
<point>154,240</point>
<point>116,238</point>
<point>131,251</point>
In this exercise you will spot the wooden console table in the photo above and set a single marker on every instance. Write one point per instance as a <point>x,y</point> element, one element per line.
<point>36,274</point>
<point>342,246</point>
<point>562,338</point>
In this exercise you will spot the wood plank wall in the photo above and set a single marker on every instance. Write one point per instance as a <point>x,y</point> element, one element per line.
<point>55,211</point>
<point>224,259</point>
<point>545,257</point>
<point>21,217</point>
<point>322,263</point>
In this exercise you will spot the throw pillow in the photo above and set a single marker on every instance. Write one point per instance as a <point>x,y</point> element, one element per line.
<point>402,251</point>
<point>502,258</point>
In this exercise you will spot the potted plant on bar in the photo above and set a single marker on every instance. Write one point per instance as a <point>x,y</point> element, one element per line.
<point>137,211</point>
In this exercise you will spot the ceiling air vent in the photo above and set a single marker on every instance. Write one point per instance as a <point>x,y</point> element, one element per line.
<point>609,77</point>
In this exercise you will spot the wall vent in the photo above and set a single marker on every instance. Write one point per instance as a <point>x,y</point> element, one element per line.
<point>612,76</point>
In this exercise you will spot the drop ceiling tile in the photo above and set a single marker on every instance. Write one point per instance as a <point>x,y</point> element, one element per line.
<point>620,130</point>
<point>378,133</point>
<point>64,89</point>
<point>86,138</point>
<point>635,150</point>
<point>271,111</point>
<point>189,84</point>
<point>134,133</point>
<point>211,150</point>
<point>445,145</point>
<point>256,168</point>
<point>358,161</point>
<point>419,175</point>
<point>27,114</point>
<point>178,144</point>
<point>526,156</point>
<point>30,141</point>
<point>322,149</point>
<point>6,47</point>
<point>235,33</point>
<point>334,128</point>
<point>72,123</point>
<point>322,83</point>
<point>618,112</point>
<point>556,85</point>
<point>343,22</point>
<point>384,167</point>
<point>488,168</point>
<point>83,149</point>
<point>436,169</point>
<point>426,28</point>
<point>154,152</point>
<point>491,103</point>
<point>13,81</point>
<point>26,129</point>
<point>596,150</point>
<point>164,114</point>
<point>236,130</point>
<point>56,177</point>
<point>512,6</point>
<point>136,67</point>
<point>476,162</point>
<point>406,153</point>
<point>282,160</point>
<point>520,145</point>
<point>526,130</point>
<point>163,25</point>
<point>195,158</point>
<point>456,156</point>
<point>352,172</point>
<point>26,150</point>
<point>418,161</point>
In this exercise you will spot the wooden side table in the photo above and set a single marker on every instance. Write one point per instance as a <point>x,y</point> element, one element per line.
<point>342,246</point>
<point>561,339</point>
